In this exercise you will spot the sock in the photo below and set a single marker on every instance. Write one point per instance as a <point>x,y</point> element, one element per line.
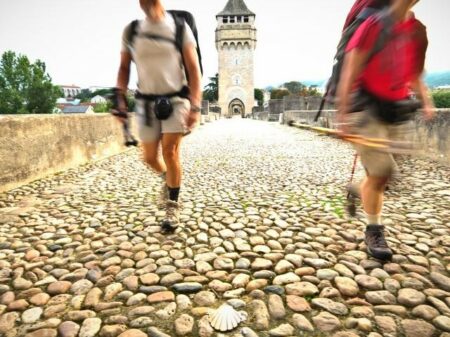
<point>374,219</point>
<point>173,193</point>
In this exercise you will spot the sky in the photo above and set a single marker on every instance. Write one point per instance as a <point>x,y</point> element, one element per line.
<point>79,40</point>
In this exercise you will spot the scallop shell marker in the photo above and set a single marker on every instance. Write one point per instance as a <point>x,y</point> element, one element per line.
<point>225,318</point>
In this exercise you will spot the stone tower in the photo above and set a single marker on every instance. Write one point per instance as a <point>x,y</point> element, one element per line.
<point>235,43</point>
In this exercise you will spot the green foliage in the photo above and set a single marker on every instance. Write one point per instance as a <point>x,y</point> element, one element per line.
<point>441,98</point>
<point>102,107</point>
<point>259,96</point>
<point>25,87</point>
<point>294,87</point>
<point>279,93</point>
<point>211,92</point>
<point>85,95</point>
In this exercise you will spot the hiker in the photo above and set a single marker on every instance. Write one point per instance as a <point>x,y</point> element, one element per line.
<point>163,47</point>
<point>383,64</point>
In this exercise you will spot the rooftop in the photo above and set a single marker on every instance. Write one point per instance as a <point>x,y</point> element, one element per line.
<point>235,7</point>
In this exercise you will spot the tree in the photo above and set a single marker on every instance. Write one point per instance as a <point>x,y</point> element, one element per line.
<point>102,107</point>
<point>25,87</point>
<point>85,95</point>
<point>441,98</point>
<point>279,93</point>
<point>294,87</point>
<point>259,96</point>
<point>211,92</point>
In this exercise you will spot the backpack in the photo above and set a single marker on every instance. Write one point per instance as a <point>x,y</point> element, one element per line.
<point>359,13</point>
<point>180,18</point>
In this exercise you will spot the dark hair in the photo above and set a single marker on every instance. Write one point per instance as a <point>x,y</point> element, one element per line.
<point>380,3</point>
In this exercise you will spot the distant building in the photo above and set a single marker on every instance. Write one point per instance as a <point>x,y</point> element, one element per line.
<point>96,88</point>
<point>67,101</point>
<point>78,109</point>
<point>98,99</point>
<point>70,90</point>
<point>236,43</point>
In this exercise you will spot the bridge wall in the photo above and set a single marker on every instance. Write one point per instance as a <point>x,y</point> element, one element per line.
<point>34,146</point>
<point>432,137</point>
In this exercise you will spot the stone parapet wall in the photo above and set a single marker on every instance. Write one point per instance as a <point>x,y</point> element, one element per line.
<point>432,137</point>
<point>34,146</point>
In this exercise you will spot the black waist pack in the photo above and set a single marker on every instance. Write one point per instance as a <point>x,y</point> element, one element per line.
<point>390,112</point>
<point>163,108</point>
<point>162,105</point>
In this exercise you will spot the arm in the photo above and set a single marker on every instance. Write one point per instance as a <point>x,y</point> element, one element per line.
<point>193,71</point>
<point>354,62</point>
<point>123,76</point>
<point>351,69</point>
<point>421,91</point>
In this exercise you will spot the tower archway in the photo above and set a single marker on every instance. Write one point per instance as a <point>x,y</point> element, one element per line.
<point>236,108</point>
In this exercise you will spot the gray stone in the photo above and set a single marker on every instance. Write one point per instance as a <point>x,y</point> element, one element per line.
<point>90,327</point>
<point>68,329</point>
<point>282,331</point>
<point>329,305</point>
<point>302,323</point>
<point>442,322</point>
<point>276,307</point>
<point>326,322</point>
<point>411,297</point>
<point>184,325</point>
<point>416,328</point>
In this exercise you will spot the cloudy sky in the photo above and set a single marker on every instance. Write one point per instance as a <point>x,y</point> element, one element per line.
<point>79,40</point>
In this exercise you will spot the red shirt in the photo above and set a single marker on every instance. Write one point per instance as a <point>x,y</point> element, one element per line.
<point>389,72</point>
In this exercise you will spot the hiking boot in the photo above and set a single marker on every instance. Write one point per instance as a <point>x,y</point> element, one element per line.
<point>376,243</point>
<point>170,222</point>
<point>163,194</point>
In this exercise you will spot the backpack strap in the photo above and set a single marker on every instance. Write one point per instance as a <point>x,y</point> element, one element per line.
<point>132,32</point>
<point>387,23</point>
<point>179,37</point>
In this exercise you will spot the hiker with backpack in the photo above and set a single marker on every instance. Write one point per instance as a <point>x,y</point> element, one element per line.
<point>383,61</point>
<point>165,51</point>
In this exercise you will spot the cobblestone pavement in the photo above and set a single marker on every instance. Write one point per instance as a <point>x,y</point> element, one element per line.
<point>264,228</point>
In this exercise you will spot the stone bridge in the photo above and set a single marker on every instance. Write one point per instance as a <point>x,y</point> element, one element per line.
<point>264,228</point>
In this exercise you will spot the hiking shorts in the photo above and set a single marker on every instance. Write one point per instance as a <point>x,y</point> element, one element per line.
<point>176,123</point>
<point>375,162</point>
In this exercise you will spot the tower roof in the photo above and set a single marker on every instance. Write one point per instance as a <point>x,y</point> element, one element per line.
<point>235,7</point>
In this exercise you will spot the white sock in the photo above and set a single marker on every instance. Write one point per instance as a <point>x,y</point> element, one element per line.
<point>373,219</point>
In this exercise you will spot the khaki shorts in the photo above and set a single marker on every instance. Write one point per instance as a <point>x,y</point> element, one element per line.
<point>176,123</point>
<point>375,162</point>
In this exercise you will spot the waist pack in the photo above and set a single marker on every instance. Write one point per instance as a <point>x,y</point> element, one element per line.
<point>390,112</point>
<point>163,107</point>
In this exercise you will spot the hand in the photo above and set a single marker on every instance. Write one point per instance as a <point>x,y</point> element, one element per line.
<point>342,123</point>
<point>428,112</point>
<point>193,119</point>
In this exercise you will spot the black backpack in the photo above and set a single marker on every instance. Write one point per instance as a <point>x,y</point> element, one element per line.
<point>365,9</point>
<point>180,18</point>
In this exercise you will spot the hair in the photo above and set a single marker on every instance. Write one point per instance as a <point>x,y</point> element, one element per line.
<point>381,3</point>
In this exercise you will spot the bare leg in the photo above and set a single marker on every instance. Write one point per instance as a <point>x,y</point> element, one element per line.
<point>171,154</point>
<point>152,158</point>
<point>372,190</point>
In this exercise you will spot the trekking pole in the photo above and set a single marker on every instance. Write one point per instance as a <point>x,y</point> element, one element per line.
<point>351,206</point>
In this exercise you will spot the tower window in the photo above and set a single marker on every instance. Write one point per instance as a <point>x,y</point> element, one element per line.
<point>239,19</point>
<point>225,19</point>
<point>232,19</point>
<point>236,61</point>
<point>246,18</point>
